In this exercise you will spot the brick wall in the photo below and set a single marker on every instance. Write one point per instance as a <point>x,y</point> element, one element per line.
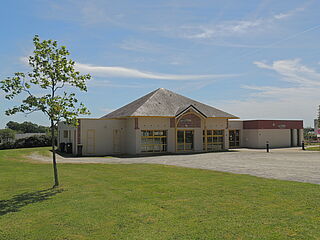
<point>273,124</point>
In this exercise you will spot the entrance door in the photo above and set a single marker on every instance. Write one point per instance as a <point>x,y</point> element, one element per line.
<point>116,141</point>
<point>91,135</point>
<point>185,140</point>
<point>234,138</point>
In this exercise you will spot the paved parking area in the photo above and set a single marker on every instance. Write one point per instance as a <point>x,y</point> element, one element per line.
<point>286,164</point>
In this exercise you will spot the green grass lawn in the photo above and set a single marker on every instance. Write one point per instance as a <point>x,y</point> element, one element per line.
<point>315,148</point>
<point>141,201</point>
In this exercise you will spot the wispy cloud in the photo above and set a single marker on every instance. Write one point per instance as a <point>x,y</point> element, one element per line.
<point>197,81</point>
<point>220,30</point>
<point>298,100</point>
<point>289,13</point>
<point>238,27</point>
<point>293,71</point>
<point>122,72</point>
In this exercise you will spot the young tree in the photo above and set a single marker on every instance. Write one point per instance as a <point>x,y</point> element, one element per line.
<point>45,88</point>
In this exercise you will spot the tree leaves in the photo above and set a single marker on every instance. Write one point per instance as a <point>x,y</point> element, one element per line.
<point>52,70</point>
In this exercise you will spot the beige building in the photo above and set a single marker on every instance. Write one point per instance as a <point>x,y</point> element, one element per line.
<point>163,121</point>
<point>257,133</point>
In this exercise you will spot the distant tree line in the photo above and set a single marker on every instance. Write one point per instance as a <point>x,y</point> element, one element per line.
<point>8,135</point>
<point>27,127</point>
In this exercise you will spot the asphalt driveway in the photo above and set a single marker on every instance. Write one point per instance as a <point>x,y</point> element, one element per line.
<point>286,164</point>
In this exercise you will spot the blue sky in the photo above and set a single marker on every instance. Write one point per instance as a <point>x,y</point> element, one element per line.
<point>255,59</point>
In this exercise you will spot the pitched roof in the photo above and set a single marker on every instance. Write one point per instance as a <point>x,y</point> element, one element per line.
<point>164,103</point>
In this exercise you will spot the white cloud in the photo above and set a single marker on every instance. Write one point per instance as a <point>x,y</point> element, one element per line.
<point>298,100</point>
<point>122,72</point>
<point>220,30</point>
<point>231,28</point>
<point>293,71</point>
<point>289,13</point>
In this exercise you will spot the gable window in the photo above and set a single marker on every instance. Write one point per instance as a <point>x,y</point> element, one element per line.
<point>189,120</point>
<point>153,140</point>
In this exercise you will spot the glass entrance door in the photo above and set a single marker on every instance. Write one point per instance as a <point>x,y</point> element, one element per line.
<point>185,140</point>
<point>234,138</point>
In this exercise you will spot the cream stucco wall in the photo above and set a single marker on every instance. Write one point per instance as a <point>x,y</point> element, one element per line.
<point>216,123</point>
<point>294,137</point>
<point>198,140</point>
<point>133,138</point>
<point>257,138</point>
<point>103,130</point>
<point>275,137</point>
<point>250,138</point>
<point>71,133</point>
<point>233,125</point>
<point>157,123</point>
<point>171,140</point>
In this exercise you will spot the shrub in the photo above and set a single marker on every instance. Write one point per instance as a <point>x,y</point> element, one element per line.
<point>33,141</point>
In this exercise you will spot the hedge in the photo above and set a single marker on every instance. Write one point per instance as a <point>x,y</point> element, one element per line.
<point>33,141</point>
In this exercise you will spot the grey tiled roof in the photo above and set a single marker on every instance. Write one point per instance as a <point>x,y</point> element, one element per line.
<point>163,102</point>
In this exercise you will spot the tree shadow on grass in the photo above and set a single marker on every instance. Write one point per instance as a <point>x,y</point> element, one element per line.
<point>18,201</point>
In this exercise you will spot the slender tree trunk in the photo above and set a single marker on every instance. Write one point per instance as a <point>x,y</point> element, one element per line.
<point>55,169</point>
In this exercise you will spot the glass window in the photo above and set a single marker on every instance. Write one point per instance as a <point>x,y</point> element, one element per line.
<point>180,136</point>
<point>234,138</point>
<point>189,136</point>
<point>153,141</point>
<point>185,140</point>
<point>215,140</point>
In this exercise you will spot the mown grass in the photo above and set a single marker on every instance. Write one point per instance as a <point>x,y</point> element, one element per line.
<point>316,148</point>
<point>141,201</point>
